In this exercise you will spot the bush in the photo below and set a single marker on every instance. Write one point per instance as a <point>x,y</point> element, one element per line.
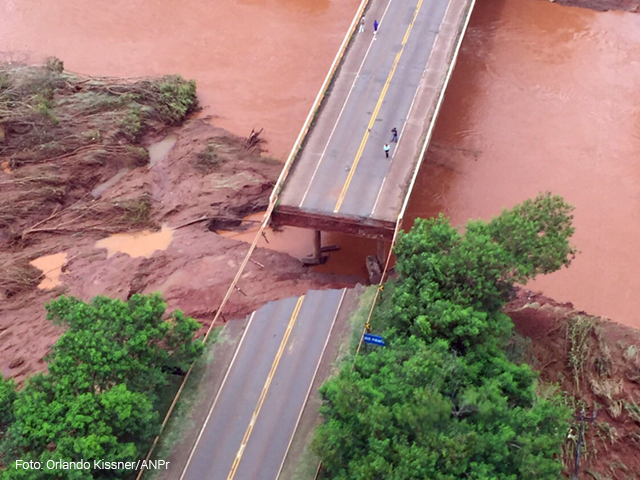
<point>131,123</point>
<point>7,397</point>
<point>97,399</point>
<point>178,98</point>
<point>442,400</point>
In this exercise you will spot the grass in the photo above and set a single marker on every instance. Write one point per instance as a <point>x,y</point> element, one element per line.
<point>307,465</point>
<point>633,409</point>
<point>603,361</point>
<point>606,432</point>
<point>73,126</point>
<point>347,349</point>
<point>136,156</point>
<point>131,123</point>
<point>135,211</point>
<point>606,388</point>
<point>209,160</point>
<point>17,278</point>
<point>579,330</point>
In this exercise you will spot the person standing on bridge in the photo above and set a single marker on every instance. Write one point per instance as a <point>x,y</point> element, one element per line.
<point>361,29</point>
<point>394,134</point>
<point>386,149</point>
<point>375,28</point>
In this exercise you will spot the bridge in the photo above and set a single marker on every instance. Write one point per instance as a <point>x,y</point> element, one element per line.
<point>338,177</point>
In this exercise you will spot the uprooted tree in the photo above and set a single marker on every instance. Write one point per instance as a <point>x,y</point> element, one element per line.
<point>98,399</point>
<point>443,400</point>
<point>62,134</point>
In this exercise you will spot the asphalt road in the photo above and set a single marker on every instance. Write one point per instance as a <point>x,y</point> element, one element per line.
<point>251,422</point>
<point>345,172</point>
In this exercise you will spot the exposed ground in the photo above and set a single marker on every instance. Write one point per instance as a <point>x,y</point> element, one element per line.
<point>61,140</point>
<point>598,363</point>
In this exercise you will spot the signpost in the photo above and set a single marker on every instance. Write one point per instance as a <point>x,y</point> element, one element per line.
<point>374,339</point>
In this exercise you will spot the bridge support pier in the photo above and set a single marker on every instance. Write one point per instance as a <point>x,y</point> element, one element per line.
<point>316,257</point>
<point>380,253</point>
<point>317,246</point>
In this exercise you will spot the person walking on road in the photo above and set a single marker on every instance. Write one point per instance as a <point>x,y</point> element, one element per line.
<point>394,134</point>
<point>361,29</point>
<point>386,149</point>
<point>375,28</point>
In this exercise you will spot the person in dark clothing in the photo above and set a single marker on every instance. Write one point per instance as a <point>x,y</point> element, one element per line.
<point>375,27</point>
<point>394,134</point>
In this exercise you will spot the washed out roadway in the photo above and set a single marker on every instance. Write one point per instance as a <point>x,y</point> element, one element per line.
<point>250,424</point>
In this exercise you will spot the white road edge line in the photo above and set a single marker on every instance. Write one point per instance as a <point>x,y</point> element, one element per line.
<point>424,74</point>
<point>215,401</point>
<point>344,105</point>
<point>427,139</point>
<point>313,379</point>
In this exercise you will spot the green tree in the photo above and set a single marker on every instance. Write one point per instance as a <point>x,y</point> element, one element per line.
<point>109,341</point>
<point>453,286</point>
<point>7,397</point>
<point>415,411</point>
<point>97,399</point>
<point>442,400</point>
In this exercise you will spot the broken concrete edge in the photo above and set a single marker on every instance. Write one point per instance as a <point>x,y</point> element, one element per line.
<point>435,110</point>
<point>317,109</point>
<point>357,226</point>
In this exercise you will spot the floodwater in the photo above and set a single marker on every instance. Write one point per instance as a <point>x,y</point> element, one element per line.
<point>51,266</point>
<point>160,150</point>
<point>298,242</point>
<point>257,63</point>
<point>138,244</point>
<point>546,98</point>
<point>100,189</point>
<point>543,98</point>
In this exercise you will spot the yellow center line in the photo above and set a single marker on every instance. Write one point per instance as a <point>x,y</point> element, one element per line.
<point>265,389</point>
<point>376,110</point>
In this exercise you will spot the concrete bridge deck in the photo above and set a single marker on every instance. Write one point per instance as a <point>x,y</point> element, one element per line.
<point>341,180</point>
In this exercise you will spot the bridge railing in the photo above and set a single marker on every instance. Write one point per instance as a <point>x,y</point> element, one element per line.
<point>319,101</point>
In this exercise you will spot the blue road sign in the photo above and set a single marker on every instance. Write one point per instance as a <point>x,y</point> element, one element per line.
<point>374,339</point>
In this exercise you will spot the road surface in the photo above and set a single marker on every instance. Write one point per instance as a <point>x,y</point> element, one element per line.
<point>395,78</point>
<point>252,420</point>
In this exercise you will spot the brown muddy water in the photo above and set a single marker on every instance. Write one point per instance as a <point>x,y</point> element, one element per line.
<point>546,98</point>
<point>543,98</point>
<point>258,63</point>
<point>138,244</point>
<point>51,267</point>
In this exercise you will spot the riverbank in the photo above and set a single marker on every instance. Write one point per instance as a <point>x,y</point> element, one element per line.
<point>597,363</point>
<point>543,98</point>
<point>114,226</point>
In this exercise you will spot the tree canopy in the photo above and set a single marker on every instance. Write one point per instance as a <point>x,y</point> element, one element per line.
<point>97,400</point>
<point>442,400</point>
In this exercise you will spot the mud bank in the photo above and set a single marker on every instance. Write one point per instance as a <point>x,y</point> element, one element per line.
<point>602,5</point>
<point>201,178</point>
<point>598,363</point>
<point>258,63</point>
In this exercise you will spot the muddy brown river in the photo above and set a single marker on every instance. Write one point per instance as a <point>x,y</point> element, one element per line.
<point>543,98</point>
<point>546,98</point>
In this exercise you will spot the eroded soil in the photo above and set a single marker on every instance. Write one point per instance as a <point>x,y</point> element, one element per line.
<point>209,174</point>
<point>598,363</point>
